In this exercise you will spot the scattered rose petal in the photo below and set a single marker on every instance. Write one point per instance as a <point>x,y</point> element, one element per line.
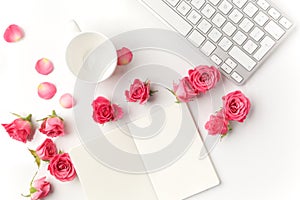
<point>13,33</point>
<point>124,56</point>
<point>46,90</point>
<point>67,101</point>
<point>44,66</point>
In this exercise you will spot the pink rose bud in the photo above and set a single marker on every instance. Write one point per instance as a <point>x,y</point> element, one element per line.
<point>47,150</point>
<point>52,126</point>
<point>46,90</point>
<point>20,129</point>
<point>104,111</point>
<point>67,101</point>
<point>139,92</point>
<point>44,66</point>
<point>217,124</point>
<point>61,167</point>
<point>236,106</point>
<point>40,189</point>
<point>13,33</point>
<point>184,91</point>
<point>204,78</point>
<point>124,56</point>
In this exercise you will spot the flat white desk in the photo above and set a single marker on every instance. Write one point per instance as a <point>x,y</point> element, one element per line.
<point>260,160</point>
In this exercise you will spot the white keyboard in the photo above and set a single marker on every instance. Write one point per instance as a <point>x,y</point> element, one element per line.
<point>237,35</point>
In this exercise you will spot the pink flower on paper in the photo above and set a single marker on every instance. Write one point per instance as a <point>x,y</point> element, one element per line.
<point>13,33</point>
<point>44,66</point>
<point>67,101</point>
<point>124,56</point>
<point>46,90</point>
<point>104,111</point>
<point>40,189</point>
<point>61,167</point>
<point>204,78</point>
<point>236,106</point>
<point>47,150</point>
<point>20,129</point>
<point>184,90</point>
<point>217,124</point>
<point>139,92</point>
<point>52,126</point>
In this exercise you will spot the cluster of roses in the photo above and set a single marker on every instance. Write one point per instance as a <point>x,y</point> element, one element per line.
<point>60,165</point>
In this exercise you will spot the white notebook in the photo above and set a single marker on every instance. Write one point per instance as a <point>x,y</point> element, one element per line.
<point>186,176</point>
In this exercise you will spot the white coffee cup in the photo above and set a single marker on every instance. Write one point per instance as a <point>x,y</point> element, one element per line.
<point>90,56</point>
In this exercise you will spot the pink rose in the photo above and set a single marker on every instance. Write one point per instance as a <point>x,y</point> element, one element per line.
<point>40,189</point>
<point>236,106</point>
<point>20,129</point>
<point>139,92</point>
<point>204,78</point>
<point>184,91</point>
<point>47,150</point>
<point>52,126</point>
<point>217,124</point>
<point>62,168</point>
<point>124,56</point>
<point>104,111</point>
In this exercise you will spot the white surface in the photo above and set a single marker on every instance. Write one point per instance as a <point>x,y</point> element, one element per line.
<point>259,160</point>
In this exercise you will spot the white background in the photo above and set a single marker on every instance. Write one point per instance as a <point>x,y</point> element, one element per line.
<point>259,160</point>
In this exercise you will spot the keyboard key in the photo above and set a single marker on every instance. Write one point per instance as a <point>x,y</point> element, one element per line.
<point>196,38</point>
<point>225,44</point>
<point>263,4</point>
<point>250,46</point>
<point>173,2</point>
<point>266,44</point>
<point>285,23</point>
<point>261,18</point>
<point>218,20</point>
<point>225,7</point>
<point>236,16</point>
<point>257,34</point>
<point>184,8</point>
<point>214,2</point>
<point>274,13</point>
<point>246,25</point>
<point>194,17</point>
<point>226,68</point>
<point>229,29</point>
<point>239,37</point>
<point>215,35</point>
<point>208,11</point>
<point>208,48</point>
<point>239,3</point>
<point>198,3</point>
<point>216,59</point>
<point>242,58</point>
<point>250,9</point>
<point>238,78</point>
<point>204,26</point>
<point>231,63</point>
<point>276,31</point>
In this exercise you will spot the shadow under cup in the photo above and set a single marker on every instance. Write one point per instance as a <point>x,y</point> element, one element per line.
<point>91,57</point>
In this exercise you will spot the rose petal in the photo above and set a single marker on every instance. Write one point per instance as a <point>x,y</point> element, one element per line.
<point>44,66</point>
<point>67,101</point>
<point>13,33</point>
<point>124,56</point>
<point>46,90</point>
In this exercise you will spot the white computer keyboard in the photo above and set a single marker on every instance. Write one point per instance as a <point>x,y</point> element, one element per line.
<point>237,35</point>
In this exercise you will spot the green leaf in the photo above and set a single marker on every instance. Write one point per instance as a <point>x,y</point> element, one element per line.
<point>32,190</point>
<point>36,157</point>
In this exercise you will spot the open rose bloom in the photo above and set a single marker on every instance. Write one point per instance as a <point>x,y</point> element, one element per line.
<point>217,124</point>
<point>47,150</point>
<point>139,92</point>
<point>61,167</point>
<point>184,90</point>
<point>52,126</point>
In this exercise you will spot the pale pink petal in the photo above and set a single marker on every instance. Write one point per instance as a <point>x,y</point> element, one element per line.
<point>67,101</point>
<point>118,112</point>
<point>44,66</point>
<point>124,56</point>
<point>46,90</point>
<point>13,33</point>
